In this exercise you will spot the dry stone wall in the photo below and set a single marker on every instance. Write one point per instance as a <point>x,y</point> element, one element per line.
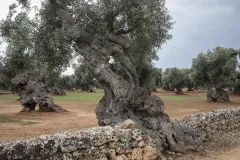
<point>209,125</point>
<point>124,142</point>
<point>120,143</point>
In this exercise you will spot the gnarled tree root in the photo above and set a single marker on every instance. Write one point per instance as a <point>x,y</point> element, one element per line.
<point>148,114</point>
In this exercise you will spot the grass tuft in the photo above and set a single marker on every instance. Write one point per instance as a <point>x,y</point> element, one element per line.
<point>5,119</point>
<point>79,97</point>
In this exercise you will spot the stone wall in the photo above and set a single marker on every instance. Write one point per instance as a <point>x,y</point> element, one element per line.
<point>209,125</point>
<point>124,142</point>
<point>120,143</point>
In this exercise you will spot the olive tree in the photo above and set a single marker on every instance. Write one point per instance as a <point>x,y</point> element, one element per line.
<point>236,87</point>
<point>157,76</point>
<point>216,70</point>
<point>189,83</point>
<point>83,78</point>
<point>33,43</point>
<point>165,83</point>
<point>16,32</point>
<point>176,79</point>
<point>130,32</point>
<point>4,80</point>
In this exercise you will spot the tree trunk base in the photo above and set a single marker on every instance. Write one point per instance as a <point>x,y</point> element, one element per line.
<point>32,93</point>
<point>58,91</point>
<point>179,91</point>
<point>148,114</point>
<point>217,95</point>
<point>236,91</point>
<point>190,90</point>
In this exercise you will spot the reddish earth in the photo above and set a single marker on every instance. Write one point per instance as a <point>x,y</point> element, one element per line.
<point>82,116</point>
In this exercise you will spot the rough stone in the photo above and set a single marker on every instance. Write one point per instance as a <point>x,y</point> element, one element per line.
<point>100,143</point>
<point>149,153</point>
<point>208,125</point>
<point>137,154</point>
<point>179,154</point>
<point>128,124</point>
<point>141,144</point>
<point>122,157</point>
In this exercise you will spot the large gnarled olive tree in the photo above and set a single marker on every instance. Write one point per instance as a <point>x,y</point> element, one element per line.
<point>117,29</point>
<point>128,31</point>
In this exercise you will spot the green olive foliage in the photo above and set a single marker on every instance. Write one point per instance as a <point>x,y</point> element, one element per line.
<point>176,79</point>
<point>216,68</point>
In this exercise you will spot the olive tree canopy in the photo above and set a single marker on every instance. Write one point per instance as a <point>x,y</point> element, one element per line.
<point>216,70</point>
<point>176,79</point>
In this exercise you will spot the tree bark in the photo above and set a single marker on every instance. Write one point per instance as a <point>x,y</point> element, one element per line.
<point>179,91</point>
<point>124,100</point>
<point>217,95</point>
<point>236,91</point>
<point>190,89</point>
<point>58,91</point>
<point>33,92</point>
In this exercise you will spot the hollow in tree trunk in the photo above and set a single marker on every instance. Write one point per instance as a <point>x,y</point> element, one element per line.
<point>123,99</point>
<point>217,95</point>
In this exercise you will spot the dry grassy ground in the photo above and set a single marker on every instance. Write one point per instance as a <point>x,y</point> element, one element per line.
<point>15,125</point>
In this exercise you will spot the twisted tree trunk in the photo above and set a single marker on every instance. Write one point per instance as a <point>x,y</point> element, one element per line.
<point>123,99</point>
<point>58,91</point>
<point>217,95</point>
<point>190,89</point>
<point>33,92</point>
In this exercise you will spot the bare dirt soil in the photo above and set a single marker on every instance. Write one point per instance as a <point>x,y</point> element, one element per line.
<point>82,116</point>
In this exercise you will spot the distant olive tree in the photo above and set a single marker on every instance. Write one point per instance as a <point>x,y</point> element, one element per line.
<point>33,43</point>
<point>158,73</point>
<point>189,83</point>
<point>176,79</point>
<point>83,78</point>
<point>165,84</point>
<point>216,70</point>
<point>236,87</point>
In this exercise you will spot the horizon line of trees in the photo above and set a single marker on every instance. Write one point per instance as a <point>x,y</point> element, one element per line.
<point>217,69</point>
<point>214,71</point>
<point>39,43</point>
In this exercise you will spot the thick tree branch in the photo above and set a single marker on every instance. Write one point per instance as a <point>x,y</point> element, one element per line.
<point>63,12</point>
<point>120,55</point>
<point>69,23</point>
<point>122,44</point>
<point>111,15</point>
<point>86,46</point>
<point>123,41</point>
